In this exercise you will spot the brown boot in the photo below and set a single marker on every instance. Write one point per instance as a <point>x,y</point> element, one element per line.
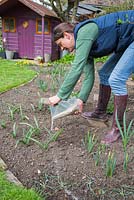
<point>100,111</point>
<point>120,103</point>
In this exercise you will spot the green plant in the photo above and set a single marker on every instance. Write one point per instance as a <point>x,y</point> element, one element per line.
<point>53,184</point>
<point>67,59</point>
<point>2,49</point>
<point>33,108</point>
<point>57,74</point>
<point>40,105</point>
<point>110,107</point>
<point>27,136</point>
<point>35,128</point>
<point>90,184</point>
<point>39,58</point>
<point>90,141</point>
<point>74,93</point>
<point>13,109</point>
<point>101,59</point>
<point>96,157</point>
<point>23,117</point>
<point>3,124</point>
<point>126,160</point>
<point>126,132</point>
<point>24,63</point>
<point>42,85</point>
<point>52,138</point>
<point>110,164</point>
<point>124,191</point>
<point>127,5</point>
<point>14,132</point>
<point>40,102</point>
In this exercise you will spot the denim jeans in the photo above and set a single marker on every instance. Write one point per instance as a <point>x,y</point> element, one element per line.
<point>116,71</point>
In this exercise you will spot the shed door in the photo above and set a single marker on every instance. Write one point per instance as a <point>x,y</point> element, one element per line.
<point>26,29</point>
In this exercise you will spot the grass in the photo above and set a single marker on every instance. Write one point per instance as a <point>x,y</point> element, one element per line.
<point>10,191</point>
<point>13,75</point>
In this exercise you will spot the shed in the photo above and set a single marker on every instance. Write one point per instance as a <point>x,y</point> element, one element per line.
<point>86,11</point>
<point>27,28</point>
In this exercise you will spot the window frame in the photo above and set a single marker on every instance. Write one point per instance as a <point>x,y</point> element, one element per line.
<point>40,32</point>
<point>8,30</point>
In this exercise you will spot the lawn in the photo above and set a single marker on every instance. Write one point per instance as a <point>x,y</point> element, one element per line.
<point>10,191</point>
<point>13,74</point>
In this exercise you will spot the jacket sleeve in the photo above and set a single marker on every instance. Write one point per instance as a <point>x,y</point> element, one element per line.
<point>88,81</point>
<point>85,39</point>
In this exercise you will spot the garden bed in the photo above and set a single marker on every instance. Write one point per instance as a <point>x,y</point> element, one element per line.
<point>65,170</point>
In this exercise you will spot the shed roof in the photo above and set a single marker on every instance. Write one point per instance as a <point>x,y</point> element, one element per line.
<point>89,7</point>
<point>85,9</point>
<point>41,10</point>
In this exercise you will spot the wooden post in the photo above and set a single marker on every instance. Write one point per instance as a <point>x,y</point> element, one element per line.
<point>43,37</point>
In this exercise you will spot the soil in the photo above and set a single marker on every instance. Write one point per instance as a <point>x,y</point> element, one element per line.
<point>65,170</point>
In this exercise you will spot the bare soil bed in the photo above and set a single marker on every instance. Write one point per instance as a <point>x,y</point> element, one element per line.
<point>66,170</point>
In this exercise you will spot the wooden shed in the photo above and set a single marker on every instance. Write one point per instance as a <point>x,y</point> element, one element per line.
<point>27,28</point>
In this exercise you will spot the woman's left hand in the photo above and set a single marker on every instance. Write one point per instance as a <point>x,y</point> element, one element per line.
<point>80,104</point>
<point>54,100</point>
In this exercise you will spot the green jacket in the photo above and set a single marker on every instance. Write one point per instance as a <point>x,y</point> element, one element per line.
<point>81,64</point>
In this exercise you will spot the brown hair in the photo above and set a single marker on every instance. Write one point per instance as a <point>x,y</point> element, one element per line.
<point>61,28</point>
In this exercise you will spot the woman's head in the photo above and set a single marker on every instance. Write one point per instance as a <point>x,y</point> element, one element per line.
<point>64,36</point>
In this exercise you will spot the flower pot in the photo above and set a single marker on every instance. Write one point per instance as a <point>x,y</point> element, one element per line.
<point>15,56</point>
<point>47,57</point>
<point>2,54</point>
<point>9,54</point>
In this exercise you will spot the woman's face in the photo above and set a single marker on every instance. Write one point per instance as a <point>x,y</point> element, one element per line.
<point>67,42</point>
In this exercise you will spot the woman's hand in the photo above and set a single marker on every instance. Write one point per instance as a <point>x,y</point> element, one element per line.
<point>80,104</point>
<point>54,100</point>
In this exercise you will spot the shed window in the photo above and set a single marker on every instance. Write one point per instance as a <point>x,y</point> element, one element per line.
<point>39,26</point>
<point>9,24</point>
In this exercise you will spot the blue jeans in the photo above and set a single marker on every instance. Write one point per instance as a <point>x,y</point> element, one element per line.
<point>116,71</point>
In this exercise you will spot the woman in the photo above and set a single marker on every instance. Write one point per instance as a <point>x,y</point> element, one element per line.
<point>109,34</point>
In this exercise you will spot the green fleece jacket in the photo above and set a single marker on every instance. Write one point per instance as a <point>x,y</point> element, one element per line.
<point>82,64</point>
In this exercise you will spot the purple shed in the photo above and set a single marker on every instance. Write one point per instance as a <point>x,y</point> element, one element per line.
<point>27,28</point>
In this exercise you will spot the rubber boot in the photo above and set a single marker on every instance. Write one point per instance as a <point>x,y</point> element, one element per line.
<point>120,103</point>
<point>100,111</point>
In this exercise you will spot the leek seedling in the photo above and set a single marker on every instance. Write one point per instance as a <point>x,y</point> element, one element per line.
<point>14,132</point>
<point>126,133</point>
<point>33,108</point>
<point>90,141</point>
<point>40,105</point>
<point>23,117</point>
<point>3,124</point>
<point>42,85</point>
<point>27,136</point>
<point>35,128</point>
<point>110,165</point>
<point>12,110</point>
<point>52,138</point>
<point>97,157</point>
<point>126,160</point>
